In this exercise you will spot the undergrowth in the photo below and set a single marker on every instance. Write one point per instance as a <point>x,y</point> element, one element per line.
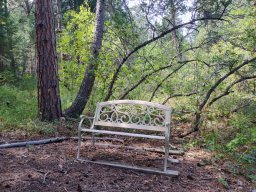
<point>232,136</point>
<point>233,141</point>
<point>18,105</point>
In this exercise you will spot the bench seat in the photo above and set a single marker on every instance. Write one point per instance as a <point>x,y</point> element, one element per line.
<point>123,133</point>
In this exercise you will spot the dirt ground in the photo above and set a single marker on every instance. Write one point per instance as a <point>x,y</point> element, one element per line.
<point>53,167</point>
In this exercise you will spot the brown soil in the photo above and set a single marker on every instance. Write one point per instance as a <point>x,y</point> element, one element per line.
<point>53,167</point>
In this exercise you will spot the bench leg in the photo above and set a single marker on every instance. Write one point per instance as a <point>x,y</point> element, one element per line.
<point>167,148</point>
<point>79,144</point>
<point>93,140</point>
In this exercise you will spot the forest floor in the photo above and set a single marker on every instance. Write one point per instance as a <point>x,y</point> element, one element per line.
<point>53,167</point>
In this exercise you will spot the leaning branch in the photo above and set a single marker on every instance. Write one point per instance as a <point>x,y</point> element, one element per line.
<point>114,78</point>
<point>164,79</point>
<point>227,90</point>
<point>86,86</point>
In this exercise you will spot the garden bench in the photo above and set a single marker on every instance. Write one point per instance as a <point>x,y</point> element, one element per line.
<point>127,115</point>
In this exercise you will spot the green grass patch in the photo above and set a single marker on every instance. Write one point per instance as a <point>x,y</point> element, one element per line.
<point>17,106</point>
<point>19,109</point>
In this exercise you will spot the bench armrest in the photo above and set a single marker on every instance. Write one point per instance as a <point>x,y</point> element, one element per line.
<point>83,117</point>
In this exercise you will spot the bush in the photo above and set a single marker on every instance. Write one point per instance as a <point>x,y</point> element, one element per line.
<point>7,77</point>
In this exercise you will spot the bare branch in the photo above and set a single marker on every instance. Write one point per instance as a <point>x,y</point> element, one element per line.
<point>164,79</point>
<point>180,95</point>
<point>227,90</point>
<point>241,106</point>
<point>153,72</point>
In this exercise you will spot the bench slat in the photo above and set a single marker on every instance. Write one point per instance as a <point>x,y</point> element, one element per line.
<point>130,126</point>
<point>123,133</point>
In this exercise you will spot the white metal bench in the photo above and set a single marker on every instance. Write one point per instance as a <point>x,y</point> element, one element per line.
<point>130,114</point>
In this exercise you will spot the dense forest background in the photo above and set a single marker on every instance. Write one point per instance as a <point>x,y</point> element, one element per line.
<point>196,56</point>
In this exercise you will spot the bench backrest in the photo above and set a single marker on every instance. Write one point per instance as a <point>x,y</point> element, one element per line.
<point>133,114</point>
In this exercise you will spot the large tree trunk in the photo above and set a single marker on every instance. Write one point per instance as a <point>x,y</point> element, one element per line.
<point>3,7</point>
<point>83,95</point>
<point>1,56</point>
<point>10,50</point>
<point>48,86</point>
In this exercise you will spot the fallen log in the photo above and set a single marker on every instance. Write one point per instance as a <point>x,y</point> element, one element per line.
<point>53,140</point>
<point>38,142</point>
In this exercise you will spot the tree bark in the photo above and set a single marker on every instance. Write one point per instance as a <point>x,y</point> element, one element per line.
<point>3,7</point>
<point>83,95</point>
<point>10,49</point>
<point>48,86</point>
<point>1,56</point>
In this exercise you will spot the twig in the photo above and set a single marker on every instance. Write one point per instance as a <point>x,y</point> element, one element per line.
<point>209,178</point>
<point>42,173</point>
<point>6,180</point>
<point>39,171</point>
<point>45,175</point>
<point>188,133</point>
<point>190,183</point>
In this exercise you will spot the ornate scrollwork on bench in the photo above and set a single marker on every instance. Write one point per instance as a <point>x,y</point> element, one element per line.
<point>132,114</point>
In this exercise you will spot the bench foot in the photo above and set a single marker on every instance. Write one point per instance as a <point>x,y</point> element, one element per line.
<point>173,160</point>
<point>156,171</point>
